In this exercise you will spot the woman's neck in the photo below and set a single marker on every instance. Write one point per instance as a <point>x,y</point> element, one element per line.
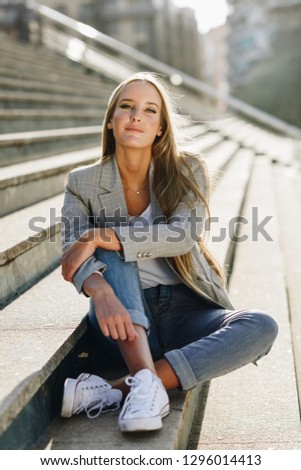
<point>133,166</point>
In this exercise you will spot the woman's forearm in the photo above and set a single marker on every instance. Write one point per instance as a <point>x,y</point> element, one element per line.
<point>85,247</point>
<point>113,318</point>
<point>105,238</point>
<point>96,284</point>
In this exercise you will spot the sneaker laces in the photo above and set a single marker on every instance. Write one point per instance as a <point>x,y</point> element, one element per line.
<point>138,395</point>
<point>94,399</point>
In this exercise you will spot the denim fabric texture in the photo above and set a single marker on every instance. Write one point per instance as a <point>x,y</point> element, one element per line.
<point>198,339</point>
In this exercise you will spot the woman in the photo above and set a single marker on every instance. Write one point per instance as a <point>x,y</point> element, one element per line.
<point>133,226</point>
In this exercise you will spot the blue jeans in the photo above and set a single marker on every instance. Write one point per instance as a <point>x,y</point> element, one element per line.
<point>199,339</point>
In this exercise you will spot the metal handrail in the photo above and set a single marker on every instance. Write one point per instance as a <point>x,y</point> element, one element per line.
<point>91,34</point>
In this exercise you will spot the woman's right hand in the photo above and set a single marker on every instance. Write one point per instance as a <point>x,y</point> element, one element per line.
<point>113,318</point>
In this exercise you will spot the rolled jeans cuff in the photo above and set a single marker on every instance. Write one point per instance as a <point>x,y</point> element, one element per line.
<point>139,319</point>
<point>182,368</point>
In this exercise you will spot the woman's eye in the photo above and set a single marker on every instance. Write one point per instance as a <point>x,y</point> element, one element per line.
<point>151,110</point>
<point>125,106</point>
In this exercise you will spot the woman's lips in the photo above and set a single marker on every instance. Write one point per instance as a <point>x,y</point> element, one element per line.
<point>133,129</point>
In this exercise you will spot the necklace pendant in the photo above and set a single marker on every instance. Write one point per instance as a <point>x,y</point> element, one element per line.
<point>138,192</point>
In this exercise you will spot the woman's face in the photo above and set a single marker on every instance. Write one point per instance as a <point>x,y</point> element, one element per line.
<point>136,120</point>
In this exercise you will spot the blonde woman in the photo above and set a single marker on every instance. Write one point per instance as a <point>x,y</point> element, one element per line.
<point>133,226</point>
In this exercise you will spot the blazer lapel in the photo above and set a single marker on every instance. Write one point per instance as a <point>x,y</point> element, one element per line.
<point>156,210</point>
<point>111,195</point>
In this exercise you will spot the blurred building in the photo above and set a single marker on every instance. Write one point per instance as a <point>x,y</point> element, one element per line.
<point>254,26</point>
<point>155,27</point>
<point>13,18</point>
<point>265,55</point>
<point>215,60</point>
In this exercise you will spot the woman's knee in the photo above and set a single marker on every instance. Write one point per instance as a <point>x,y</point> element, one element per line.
<point>267,331</point>
<point>267,324</point>
<point>256,324</point>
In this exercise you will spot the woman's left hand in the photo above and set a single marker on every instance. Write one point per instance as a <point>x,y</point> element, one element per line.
<point>77,254</point>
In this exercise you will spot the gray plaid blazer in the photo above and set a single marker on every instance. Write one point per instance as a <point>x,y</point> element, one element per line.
<point>94,197</point>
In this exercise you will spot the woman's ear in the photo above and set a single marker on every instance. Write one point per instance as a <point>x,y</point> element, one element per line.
<point>159,133</point>
<point>110,125</point>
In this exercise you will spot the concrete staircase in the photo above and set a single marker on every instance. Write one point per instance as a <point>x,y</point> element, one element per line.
<point>50,117</point>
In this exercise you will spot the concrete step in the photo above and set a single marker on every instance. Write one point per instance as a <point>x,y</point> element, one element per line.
<point>21,100</point>
<point>218,157</point>
<point>54,87</point>
<point>27,183</point>
<point>37,333</point>
<point>238,130</point>
<point>39,69</point>
<point>227,203</point>
<point>206,141</point>
<point>26,146</point>
<point>51,76</point>
<point>279,148</point>
<point>195,130</point>
<point>24,184</point>
<point>33,248</point>
<point>78,433</point>
<point>287,181</point>
<point>25,120</point>
<point>33,54</point>
<point>9,44</point>
<point>240,413</point>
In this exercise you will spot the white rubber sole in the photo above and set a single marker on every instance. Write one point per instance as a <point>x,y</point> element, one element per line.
<point>69,394</point>
<point>68,397</point>
<point>144,424</point>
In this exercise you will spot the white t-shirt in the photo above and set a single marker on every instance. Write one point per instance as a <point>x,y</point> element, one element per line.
<point>153,271</point>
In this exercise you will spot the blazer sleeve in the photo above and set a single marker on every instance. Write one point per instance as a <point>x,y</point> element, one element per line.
<point>74,222</point>
<point>174,237</point>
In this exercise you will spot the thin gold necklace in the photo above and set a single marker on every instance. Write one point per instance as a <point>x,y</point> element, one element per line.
<point>138,191</point>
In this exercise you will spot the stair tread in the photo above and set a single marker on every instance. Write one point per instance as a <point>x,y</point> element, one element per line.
<point>257,281</point>
<point>13,173</point>
<point>45,135</point>
<point>18,239</point>
<point>55,87</point>
<point>37,97</point>
<point>72,433</point>
<point>53,76</point>
<point>51,313</point>
<point>52,113</point>
<point>37,168</point>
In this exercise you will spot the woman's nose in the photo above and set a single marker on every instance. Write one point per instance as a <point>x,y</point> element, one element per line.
<point>135,116</point>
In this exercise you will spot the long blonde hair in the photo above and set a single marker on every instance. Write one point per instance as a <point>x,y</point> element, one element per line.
<point>170,184</point>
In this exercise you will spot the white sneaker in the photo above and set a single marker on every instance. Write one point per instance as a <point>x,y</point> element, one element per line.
<point>146,404</point>
<point>91,394</point>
